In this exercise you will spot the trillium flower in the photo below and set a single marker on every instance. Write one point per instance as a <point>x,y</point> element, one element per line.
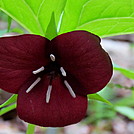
<point>52,78</point>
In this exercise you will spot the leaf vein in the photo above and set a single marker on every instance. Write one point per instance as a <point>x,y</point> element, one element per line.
<point>38,12</point>
<point>37,20</point>
<point>95,20</point>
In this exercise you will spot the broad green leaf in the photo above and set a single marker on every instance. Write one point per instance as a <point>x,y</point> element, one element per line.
<point>99,98</point>
<point>101,17</point>
<point>33,15</point>
<point>127,111</point>
<point>71,15</point>
<point>108,17</point>
<point>128,73</point>
<point>30,129</point>
<point>7,109</point>
<point>12,99</point>
<point>109,27</point>
<point>51,31</point>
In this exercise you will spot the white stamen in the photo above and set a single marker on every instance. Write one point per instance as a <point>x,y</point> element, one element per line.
<point>70,89</point>
<point>38,70</point>
<point>52,57</point>
<point>48,94</point>
<point>63,71</point>
<point>33,85</point>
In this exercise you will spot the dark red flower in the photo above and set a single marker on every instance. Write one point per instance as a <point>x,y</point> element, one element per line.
<point>52,78</point>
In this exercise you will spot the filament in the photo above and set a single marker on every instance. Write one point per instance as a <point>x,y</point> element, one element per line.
<point>38,70</point>
<point>33,85</point>
<point>69,89</point>
<point>63,71</point>
<point>48,94</point>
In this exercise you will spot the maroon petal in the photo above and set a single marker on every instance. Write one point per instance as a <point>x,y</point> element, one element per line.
<point>88,66</point>
<point>61,110</point>
<point>19,56</point>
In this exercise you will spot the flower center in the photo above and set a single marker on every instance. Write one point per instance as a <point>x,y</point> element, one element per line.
<point>51,69</point>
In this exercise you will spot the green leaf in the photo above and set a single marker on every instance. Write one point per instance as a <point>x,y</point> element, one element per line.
<point>30,129</point>
<point>12,99</point>
<point>71,15</point>
<point>113,86</point>
<point>51,31</point>
<point>101,17</point>
<point>33,15</point>
<point>128,73</point>
<point>9,23</point>
<point>109,27</point>
<point>17,30</point>
<point>108,17</point>
<point>7,109</point>
<point>127,111</point>
<point>98,98</point>
<point>126,101</point>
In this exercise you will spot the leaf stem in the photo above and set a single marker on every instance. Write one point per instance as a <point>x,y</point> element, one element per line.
<point>30,129</point>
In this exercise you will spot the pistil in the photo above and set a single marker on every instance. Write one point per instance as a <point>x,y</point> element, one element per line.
<point>49,90</point>
<point>52,57</point>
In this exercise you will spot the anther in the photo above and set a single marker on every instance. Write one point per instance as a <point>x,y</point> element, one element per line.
<point>38,70</point>
<point>33,85</point>
<point>52,57</point>
<point>69,89</point>
<point>63,71</point>
<point>48,94</point>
